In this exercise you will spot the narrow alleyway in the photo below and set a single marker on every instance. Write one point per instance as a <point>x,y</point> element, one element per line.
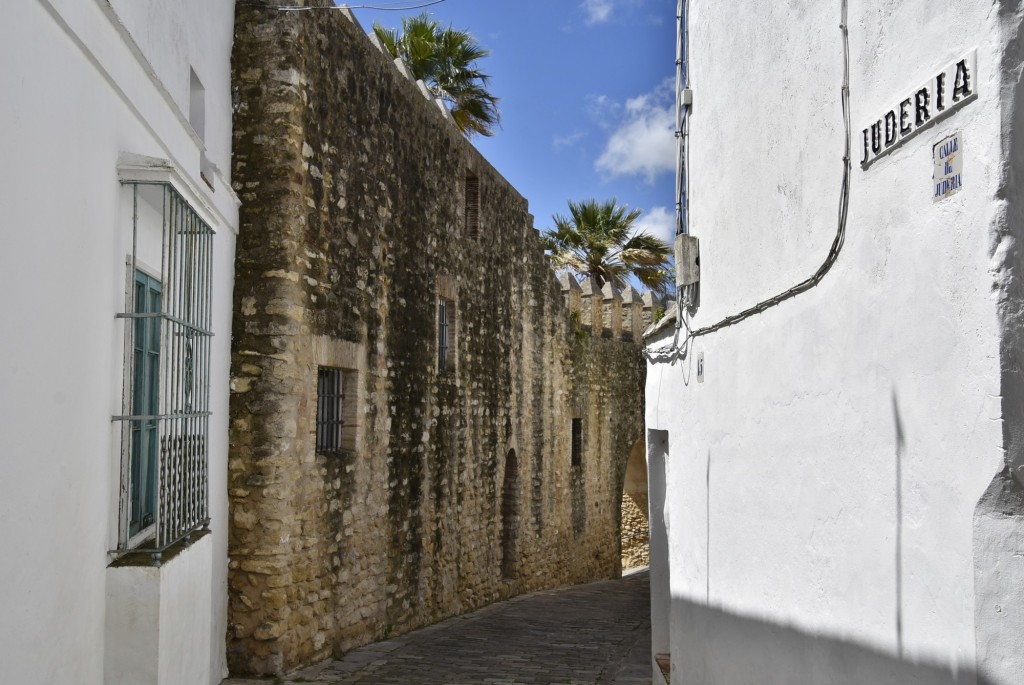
<point>585,635</point>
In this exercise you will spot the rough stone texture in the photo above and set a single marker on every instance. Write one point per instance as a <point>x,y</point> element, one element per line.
<point>635,525</point>
<point>353,191</point>
<point>635,532</point>
<point>593,634</point>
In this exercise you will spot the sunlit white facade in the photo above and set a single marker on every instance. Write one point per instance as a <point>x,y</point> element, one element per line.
<point>103,98</point>
<point>837,496</point>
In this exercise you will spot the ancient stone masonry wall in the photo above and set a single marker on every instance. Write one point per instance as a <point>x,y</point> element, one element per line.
<point>354,191</point>
<point>635,532</point>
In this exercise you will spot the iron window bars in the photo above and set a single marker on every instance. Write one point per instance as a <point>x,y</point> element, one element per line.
<point>442,334</point>
<point>166,400</point>
<point>472,206</point>
<point>577,442</point>
<point>329,404</point>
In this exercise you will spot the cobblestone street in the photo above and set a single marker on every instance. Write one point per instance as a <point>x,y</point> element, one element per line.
<point>585,635</point>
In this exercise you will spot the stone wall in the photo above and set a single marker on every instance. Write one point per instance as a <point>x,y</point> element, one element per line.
<point>454,485</point>
<point>635,507</point>
<point>635,532</point>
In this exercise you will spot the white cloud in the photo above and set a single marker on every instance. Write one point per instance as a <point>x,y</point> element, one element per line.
<point>603,111</point>
<point>558,142</point>
<point>597,11</point>
<point>659,222</point>
<point>643,141</point>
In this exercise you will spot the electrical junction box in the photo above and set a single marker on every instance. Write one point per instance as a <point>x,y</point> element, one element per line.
<point>687,260</point>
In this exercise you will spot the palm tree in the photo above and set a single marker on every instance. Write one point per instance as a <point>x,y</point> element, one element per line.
<point>445,60</point>
<point>599,240</point>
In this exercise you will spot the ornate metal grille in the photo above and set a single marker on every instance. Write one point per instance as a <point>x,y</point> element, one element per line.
<point>171,469</point>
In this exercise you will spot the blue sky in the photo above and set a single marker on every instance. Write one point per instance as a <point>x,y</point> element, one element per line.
<point>586,90</point>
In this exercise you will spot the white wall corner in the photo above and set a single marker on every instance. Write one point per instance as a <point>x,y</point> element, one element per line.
<point>158,627</point>
<point>998,579</point>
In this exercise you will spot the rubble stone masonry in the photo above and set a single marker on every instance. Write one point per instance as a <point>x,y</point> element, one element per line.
<point>452,484</point>
<point>635,532</point>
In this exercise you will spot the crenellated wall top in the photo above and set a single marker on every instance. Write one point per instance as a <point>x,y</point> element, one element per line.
<point>605,306</point>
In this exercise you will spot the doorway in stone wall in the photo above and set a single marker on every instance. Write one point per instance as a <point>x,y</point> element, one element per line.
<point>509,515</point>
<point>635,525</point>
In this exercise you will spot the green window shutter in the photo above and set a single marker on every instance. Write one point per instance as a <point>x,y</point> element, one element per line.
<point>145,404</point>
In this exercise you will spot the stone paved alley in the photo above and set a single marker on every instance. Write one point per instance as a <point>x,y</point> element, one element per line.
<point>584,635</point>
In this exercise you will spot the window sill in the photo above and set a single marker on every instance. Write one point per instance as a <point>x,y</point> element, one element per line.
<point>142,557</point>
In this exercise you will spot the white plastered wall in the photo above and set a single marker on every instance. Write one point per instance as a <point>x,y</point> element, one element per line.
<point>824,476</point>
<point>158,621</point>
<point>77,95</point>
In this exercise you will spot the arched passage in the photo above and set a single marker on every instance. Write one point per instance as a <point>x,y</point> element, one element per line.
<point>635,525</point>
<point>509,515</point>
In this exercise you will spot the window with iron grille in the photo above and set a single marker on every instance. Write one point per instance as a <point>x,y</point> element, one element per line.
<point>446,335</point>
<point>329,409</point>
<point>472,205</point>
<point>166,398</point>
<point>577,442</point>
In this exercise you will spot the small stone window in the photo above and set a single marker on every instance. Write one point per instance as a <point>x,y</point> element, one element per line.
<point>329,404</point>
<point>335,409</point>
<point>445,335</point>
<point>577,442</point>
<point>447,325</point>
<point>472,205</point>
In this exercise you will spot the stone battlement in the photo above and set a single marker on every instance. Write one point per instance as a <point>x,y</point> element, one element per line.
<point>609,312</point>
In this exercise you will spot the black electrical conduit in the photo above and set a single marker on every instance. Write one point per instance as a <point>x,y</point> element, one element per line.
<point>306,8</point>
<point>833,253</point>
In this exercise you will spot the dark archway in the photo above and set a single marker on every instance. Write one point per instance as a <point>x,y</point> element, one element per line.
<point>510,515</point>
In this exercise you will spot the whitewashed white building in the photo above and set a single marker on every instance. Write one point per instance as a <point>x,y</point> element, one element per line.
<point>835,472</point>
<point>116,266</point>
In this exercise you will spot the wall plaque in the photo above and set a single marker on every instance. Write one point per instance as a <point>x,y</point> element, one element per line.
<point>949,166</point>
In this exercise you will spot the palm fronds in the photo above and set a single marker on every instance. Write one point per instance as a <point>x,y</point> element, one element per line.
<point>445,59</point>
<point>600,240</point>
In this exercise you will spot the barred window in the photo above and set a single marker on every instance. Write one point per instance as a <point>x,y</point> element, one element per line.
<point>166,398</point>
<point>337,418</point>
<point>442,335</point>
<point>329,406</point>
<point>577,442</point>
<point>472,205</point>
<point>145,403</point>
<point>445,335</point>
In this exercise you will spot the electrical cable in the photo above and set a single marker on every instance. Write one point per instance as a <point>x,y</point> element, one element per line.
<point>304,8</point>
<point>668,352</point>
